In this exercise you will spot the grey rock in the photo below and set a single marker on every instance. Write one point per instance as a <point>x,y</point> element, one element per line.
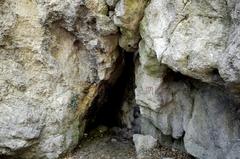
<point>144,143</point>
<point>128,15</point>
<point>113,140</point>
<point>111,3</point>
<point>55,55</point>
<point>185,43</point>
<point>229,61</point>
<point>176,32</point>
<point>214,118</point>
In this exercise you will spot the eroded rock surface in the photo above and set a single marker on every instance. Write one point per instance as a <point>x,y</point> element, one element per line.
<point>196,107</point>
<point>128,14</point>
<point>57,57</point>
<point>144,143</point>
<point>54,57</point>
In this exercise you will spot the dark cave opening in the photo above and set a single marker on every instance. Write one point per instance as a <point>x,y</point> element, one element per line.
<point>107,108</point>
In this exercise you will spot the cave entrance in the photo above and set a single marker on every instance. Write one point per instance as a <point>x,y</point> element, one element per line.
<point>108,108</point>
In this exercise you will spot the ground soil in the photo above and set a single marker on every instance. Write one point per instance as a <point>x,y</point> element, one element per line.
<point>103,143</point>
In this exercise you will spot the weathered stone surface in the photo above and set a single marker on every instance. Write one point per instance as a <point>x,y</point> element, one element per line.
<point>188,36</point>
<point>143,143</point>
<point>128,14</point>
<point>229,62</point>
<point>54,56</point>
<point>204,116</point>
<point>215,118</point>
<point>98,6</point>
<point>111,3</point>
<point>197,40</point>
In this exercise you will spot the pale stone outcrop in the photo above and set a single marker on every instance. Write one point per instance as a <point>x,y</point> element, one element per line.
<point>143,144</point>
<point>187,79</point>
<point>58,56</point>
<point>128,14</point>
<point>188,36</point>
<point>54,56</point>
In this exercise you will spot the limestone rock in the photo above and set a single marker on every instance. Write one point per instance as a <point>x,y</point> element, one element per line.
<point>187,76</point>
<point>128,14</point>
<point>229,61</point>
<point>57,56</point>
<point>184,36</point>
<point>214,118</point>
<point>54,56</point>
<point>205,117</point>
<point>98,6</point>
<point>111,3</point>
<point>143,143</point>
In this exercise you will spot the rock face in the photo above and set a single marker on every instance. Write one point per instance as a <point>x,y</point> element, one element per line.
<point>55,57</point>
<point>187,77</point>
<point>128,14</point>
<point>144,143</point>
<point>58,56</point>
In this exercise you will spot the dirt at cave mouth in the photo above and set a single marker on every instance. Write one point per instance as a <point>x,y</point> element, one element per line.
<point>115,143</point>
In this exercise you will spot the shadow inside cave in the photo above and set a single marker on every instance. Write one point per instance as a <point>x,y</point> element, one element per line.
<point>107,107</point>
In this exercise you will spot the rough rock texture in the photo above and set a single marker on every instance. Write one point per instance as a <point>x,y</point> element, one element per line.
<point>128,14</point>
<point>54,57</point>
<point>58,56</point>
<point>188,36</point>
<point>187,79</point>
<point>143,144</point>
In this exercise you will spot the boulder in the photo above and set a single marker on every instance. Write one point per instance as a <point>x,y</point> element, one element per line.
<point>143,144</point>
